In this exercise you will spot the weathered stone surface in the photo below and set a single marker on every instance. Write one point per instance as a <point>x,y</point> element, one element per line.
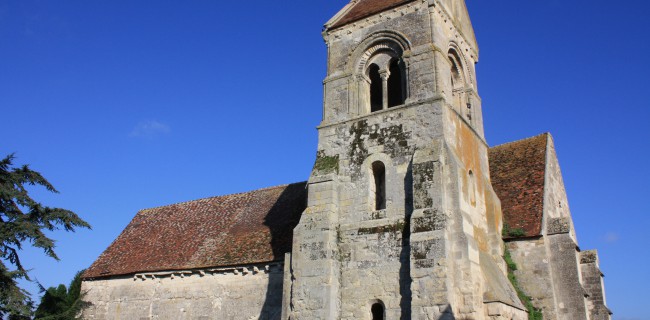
<point>558,225</point>
<point>534,273</point>
<point>592,280</point>
<point>420,255</point>
<point>246,292</point>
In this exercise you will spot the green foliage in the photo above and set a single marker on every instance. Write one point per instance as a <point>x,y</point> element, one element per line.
<point>512,233</point>
<point>326,164</point>
<point>533,313</point>
<point>23,220</point>
<point>512,266</point>
<point>61,303</point>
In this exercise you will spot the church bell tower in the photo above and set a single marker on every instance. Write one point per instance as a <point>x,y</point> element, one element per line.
<point>402,221</point>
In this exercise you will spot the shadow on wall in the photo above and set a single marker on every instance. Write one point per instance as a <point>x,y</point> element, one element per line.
<point>281,220</point>
<point>448,314</point>
<point>405,256</point>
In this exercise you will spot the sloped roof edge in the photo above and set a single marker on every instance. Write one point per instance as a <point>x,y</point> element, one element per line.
<point>362,9</point>
<point>242,228</point>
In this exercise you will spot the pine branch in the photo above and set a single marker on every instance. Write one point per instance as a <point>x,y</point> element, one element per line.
<point>24,220</point>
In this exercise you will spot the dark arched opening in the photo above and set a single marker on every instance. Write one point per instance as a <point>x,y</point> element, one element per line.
<point>395,85</point>
<point>375,88</point>
<point>377,310</point>
<point>379,174</point>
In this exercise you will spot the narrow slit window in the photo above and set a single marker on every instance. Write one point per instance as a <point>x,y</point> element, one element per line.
<point>376,99</point>
<point>379,173</point>
<point>377,310</point>
<point>472,189</point>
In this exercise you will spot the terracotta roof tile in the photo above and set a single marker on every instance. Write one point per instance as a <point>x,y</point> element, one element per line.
<point>244,228</point>
<point>517,170</point>
<point>366,8</point>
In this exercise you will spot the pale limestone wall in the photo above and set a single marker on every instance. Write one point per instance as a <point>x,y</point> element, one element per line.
<point>421,255</point>
<point>534,273</point>
<point>343,249</point>
<point>427,32</point>
<point>592,279</point>
<point>556,203</point>
<point>346,255</point>
<point>460,18</point>
<point>250,292</point>
<point>343,88</point>
<point>561,242</point>
<point>569,294</point>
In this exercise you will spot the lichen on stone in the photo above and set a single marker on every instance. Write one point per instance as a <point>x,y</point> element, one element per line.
<point>393,138</point>
<point>422,179</point>
<point>392,228</point>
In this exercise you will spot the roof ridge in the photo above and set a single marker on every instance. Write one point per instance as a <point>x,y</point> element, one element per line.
<point>361,9</point>
<point>220,196</point>
<point>521,140</point>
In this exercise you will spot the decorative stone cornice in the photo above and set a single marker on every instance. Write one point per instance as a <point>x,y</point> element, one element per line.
<point>435,7</point>
<point>244,270</point>
<point>388,15</point>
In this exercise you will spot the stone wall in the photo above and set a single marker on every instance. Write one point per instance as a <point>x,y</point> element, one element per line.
<point>592,279</point>
<point>420,256</point>
<point>562,245</point>
<point>247,292</point>
<point>534,273</point>
<point>556,203</point>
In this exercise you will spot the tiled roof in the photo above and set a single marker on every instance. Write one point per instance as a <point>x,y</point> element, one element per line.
<point>366,8</point>
<point>517,170</point>
<point>244,228</point>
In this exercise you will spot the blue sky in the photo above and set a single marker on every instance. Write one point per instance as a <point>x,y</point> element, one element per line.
<point>125,105</point>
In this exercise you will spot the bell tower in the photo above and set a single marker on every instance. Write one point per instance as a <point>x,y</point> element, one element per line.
<point>402,221</point>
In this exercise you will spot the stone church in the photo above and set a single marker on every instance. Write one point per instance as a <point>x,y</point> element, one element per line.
<point>407,213</point>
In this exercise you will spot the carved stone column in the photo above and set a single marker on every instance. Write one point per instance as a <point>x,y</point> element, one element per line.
<point>384,74</point>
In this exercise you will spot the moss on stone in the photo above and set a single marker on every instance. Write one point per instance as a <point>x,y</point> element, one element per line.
<point>326,164</point>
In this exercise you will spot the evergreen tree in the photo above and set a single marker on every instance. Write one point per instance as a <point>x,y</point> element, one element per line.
<point>23,220</point>
<point>61,303</point>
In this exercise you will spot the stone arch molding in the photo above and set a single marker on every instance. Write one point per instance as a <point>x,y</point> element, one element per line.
<point>466,70</point>
<point>385,49</point>
<point>392,42</point>
<point>379,156</point>
<point>379,303</point>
